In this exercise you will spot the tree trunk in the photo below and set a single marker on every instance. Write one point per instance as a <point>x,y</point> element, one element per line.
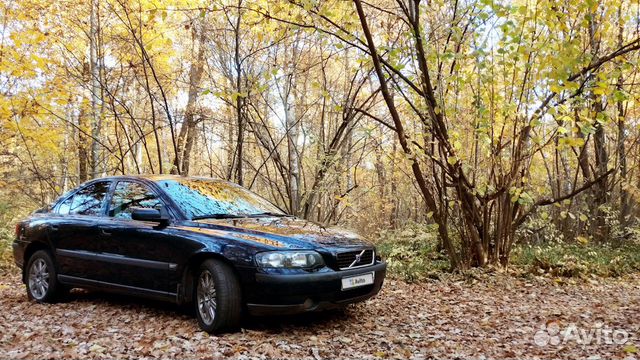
<point>393,216</point>
<point>239,99</point>
<point>293,131</point>
<point>95,89</point>
<point>622,136</point>
<point>188,132</point>
<point>402,139</point>
<point>239,141</point>
<point>600,230</point>
<point>82,149</point>
<point>231,148</point>
<point>381,174</point>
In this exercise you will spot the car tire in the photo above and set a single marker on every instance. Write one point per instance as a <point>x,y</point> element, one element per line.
<point>41,279</point>
<point>217,297</point>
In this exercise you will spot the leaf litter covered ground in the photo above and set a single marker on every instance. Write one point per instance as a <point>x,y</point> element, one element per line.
<point>497,317</point>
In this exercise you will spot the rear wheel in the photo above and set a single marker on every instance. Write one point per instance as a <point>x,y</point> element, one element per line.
<point>217,297</point>
<point>41,281</point>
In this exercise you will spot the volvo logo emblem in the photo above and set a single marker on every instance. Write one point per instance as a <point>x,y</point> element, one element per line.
<point>357,259</point>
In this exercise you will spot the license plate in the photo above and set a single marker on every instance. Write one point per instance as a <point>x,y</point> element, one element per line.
<point>357,281</point>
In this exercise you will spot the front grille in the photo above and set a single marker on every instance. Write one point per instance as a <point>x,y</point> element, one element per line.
<point>347,260</point>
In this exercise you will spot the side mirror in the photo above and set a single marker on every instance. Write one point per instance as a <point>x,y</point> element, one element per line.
<point>145,214</point>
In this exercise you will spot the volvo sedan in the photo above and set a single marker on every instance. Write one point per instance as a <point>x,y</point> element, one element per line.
<point>190,240</point>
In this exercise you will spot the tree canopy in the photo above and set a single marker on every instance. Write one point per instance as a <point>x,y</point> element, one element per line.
<point>494,121</point>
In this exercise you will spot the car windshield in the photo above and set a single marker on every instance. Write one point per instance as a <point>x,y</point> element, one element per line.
<point>206,198</point>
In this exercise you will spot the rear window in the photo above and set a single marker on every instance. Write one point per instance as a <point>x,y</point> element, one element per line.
<point>87,201</point>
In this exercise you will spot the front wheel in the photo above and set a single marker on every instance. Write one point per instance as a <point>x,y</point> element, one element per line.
<point>217,298</point>
<point>41,281</point>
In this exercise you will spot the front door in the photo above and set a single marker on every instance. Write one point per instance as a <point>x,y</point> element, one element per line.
<point>139,252</point>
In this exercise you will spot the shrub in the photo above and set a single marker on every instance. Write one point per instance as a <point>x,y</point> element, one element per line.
<point>412,253</point>
<point>10,212</point>
<point>576,260</point>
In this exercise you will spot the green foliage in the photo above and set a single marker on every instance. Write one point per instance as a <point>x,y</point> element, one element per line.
<point>412,253</point>
<point>540,228</point>
<point>6,237</point>
<point>11,210</point>
<point>577,260</point>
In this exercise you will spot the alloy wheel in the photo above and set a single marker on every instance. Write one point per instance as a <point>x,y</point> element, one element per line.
<point>206,297</point>
<point>39,279</point>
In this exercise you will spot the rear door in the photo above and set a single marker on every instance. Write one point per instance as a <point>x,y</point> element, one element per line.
<point>141,251</point>
<point>75,231</point>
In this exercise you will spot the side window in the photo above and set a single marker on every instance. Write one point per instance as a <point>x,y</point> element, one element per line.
<point>63,209</point>
<point>128,195</point>
<point>88,201</point>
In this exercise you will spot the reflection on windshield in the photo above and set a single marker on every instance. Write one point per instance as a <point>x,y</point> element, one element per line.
<point>199,198</point>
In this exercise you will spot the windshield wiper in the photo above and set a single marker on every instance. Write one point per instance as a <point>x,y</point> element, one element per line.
<point>217,216</point>
<point>269,213</point>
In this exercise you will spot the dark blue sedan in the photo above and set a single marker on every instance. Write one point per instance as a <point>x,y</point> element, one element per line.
<point>192,240</point>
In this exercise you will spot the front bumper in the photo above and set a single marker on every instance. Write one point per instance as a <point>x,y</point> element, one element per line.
<point>296,293</point>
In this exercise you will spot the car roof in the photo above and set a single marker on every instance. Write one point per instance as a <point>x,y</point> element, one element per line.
<point>158,177</point>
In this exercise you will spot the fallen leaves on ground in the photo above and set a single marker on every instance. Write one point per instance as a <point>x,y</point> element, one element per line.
<point>497,317</point>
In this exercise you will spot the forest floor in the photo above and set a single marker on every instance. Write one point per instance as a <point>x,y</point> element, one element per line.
<point>498,317</point>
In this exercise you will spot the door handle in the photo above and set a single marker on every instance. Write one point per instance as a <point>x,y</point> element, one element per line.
<point>105,232</point>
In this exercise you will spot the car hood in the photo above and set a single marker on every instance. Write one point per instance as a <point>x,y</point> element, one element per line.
<point>279,232</point>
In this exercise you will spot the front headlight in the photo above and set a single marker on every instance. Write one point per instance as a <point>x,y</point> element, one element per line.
<point>289,259</point>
